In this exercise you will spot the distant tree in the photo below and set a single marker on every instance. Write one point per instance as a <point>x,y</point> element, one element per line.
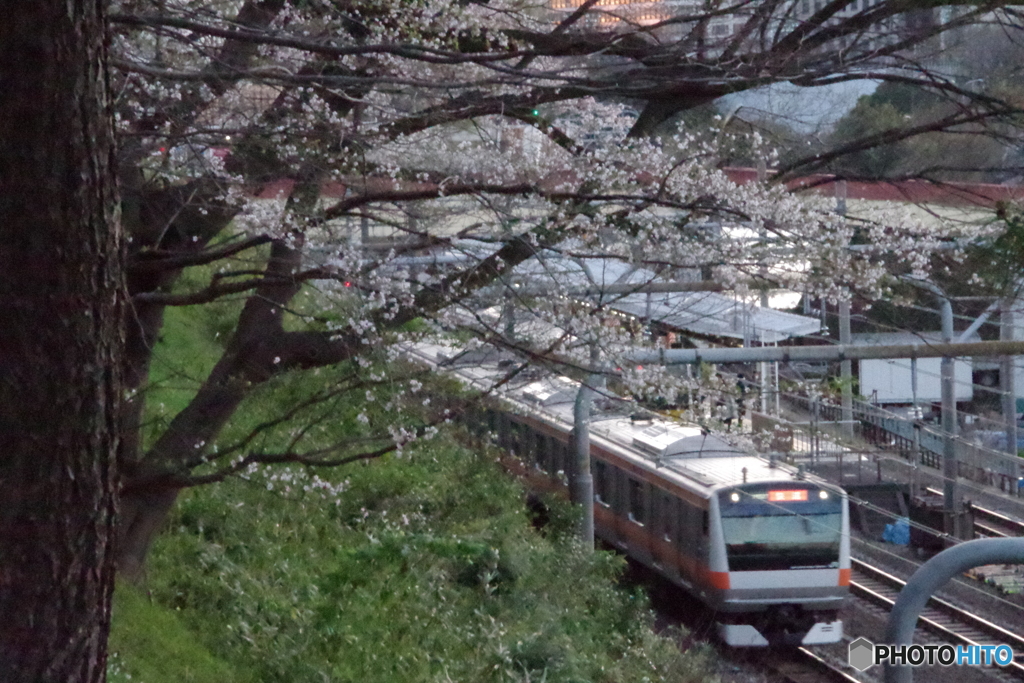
<point>872,115</point>
<point>968,152</point>
<point>61,343</point>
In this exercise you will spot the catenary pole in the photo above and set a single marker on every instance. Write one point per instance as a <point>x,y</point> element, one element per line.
<point>1007,383</point>
<point>950,467</point>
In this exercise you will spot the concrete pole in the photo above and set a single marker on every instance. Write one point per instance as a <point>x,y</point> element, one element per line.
<point>931,576</point>
<point>775,389</point>
<point>950,469</point>
<point>582,491</point>
<point>1008,384</point>
<point>913,388</point>
<point>846,369</point>
<point>846,365</point>
<point>840,193</point>
<point>763,369</point>
<point>762,176</point>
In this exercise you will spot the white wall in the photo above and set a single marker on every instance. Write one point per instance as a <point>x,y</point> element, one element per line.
<point>892,380</point>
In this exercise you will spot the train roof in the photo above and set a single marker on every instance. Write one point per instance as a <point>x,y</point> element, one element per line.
<point>687,454</point>
<point>684,453</point>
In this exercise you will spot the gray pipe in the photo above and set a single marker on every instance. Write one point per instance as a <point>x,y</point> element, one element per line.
<point>931,576</point>
<point>824,353</point>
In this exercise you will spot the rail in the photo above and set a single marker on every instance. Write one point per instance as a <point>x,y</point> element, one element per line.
<point>801,665</point>
<point>940,616</point>
<point>1010,526</point>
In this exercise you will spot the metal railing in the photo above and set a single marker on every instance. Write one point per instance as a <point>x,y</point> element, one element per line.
<point>821,438</point>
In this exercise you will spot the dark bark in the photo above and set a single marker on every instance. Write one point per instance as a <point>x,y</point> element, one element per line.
<point>249,359</point>
<point>60,343</point>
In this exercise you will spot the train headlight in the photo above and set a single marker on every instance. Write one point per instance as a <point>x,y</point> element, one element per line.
<point>823,495</point>
<point>735,497</point>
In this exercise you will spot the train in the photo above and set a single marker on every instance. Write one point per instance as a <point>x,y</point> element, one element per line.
<point>762,544</point>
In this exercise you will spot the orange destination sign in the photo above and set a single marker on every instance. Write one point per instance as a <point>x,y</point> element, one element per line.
<point>787,496</point>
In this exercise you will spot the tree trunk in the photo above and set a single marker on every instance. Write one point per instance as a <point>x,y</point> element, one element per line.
<point>61,312</point>
<point>256,350</point>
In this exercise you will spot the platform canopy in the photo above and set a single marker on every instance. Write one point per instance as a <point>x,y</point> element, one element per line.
<point>710,314</point>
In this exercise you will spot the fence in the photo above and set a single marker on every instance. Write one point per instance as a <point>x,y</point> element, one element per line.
<point>910,439</point>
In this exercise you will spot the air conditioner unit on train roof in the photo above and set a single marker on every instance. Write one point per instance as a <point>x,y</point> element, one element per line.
<point>701,445</point>
<point>659,438</point>
<point>551,391</point>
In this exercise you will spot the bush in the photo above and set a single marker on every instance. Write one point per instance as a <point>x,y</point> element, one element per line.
<point>415,568</point>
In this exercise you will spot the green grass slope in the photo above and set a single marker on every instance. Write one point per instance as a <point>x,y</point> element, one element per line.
<point>417,567</point>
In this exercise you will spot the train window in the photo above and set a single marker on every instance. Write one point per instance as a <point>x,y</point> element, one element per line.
<point>530,445</point>
<point>561,455</point>
<point>601,488</point>
<point>781,534</point>
<point>705,522</point>
<point>636,502</point>
<point>683,530</point>
<point>504,431</point>
<point>666,512</point>
<point>543,448</point>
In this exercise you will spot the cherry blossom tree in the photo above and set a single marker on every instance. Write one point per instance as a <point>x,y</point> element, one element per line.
<point>60,342</point>
<point>303,156</point>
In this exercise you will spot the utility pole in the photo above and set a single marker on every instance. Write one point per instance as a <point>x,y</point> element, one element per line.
<point>846,369</point>
<point>582,489</point>
<point>1008,385</point>
<point>950,467</point>
<point>582,492</point>
<point>846,366</point>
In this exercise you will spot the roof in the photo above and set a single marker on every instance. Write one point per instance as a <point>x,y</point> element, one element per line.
<point>717,315</point>
<point>704,313</point>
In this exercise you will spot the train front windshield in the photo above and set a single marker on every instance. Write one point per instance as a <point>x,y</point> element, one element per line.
<point>773,527</point>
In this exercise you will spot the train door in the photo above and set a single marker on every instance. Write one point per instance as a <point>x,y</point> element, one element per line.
<point>604,499</point>
<point>662,529</point>
<point>691,542</point>
<point>619,506</point>
<point>638,501</point>
<point>542,454</point>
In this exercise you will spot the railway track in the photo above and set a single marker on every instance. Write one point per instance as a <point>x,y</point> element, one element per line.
<point>993,524</point>
<point>996,525</point>
<point>801,665</point>
<point>941,618</point>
